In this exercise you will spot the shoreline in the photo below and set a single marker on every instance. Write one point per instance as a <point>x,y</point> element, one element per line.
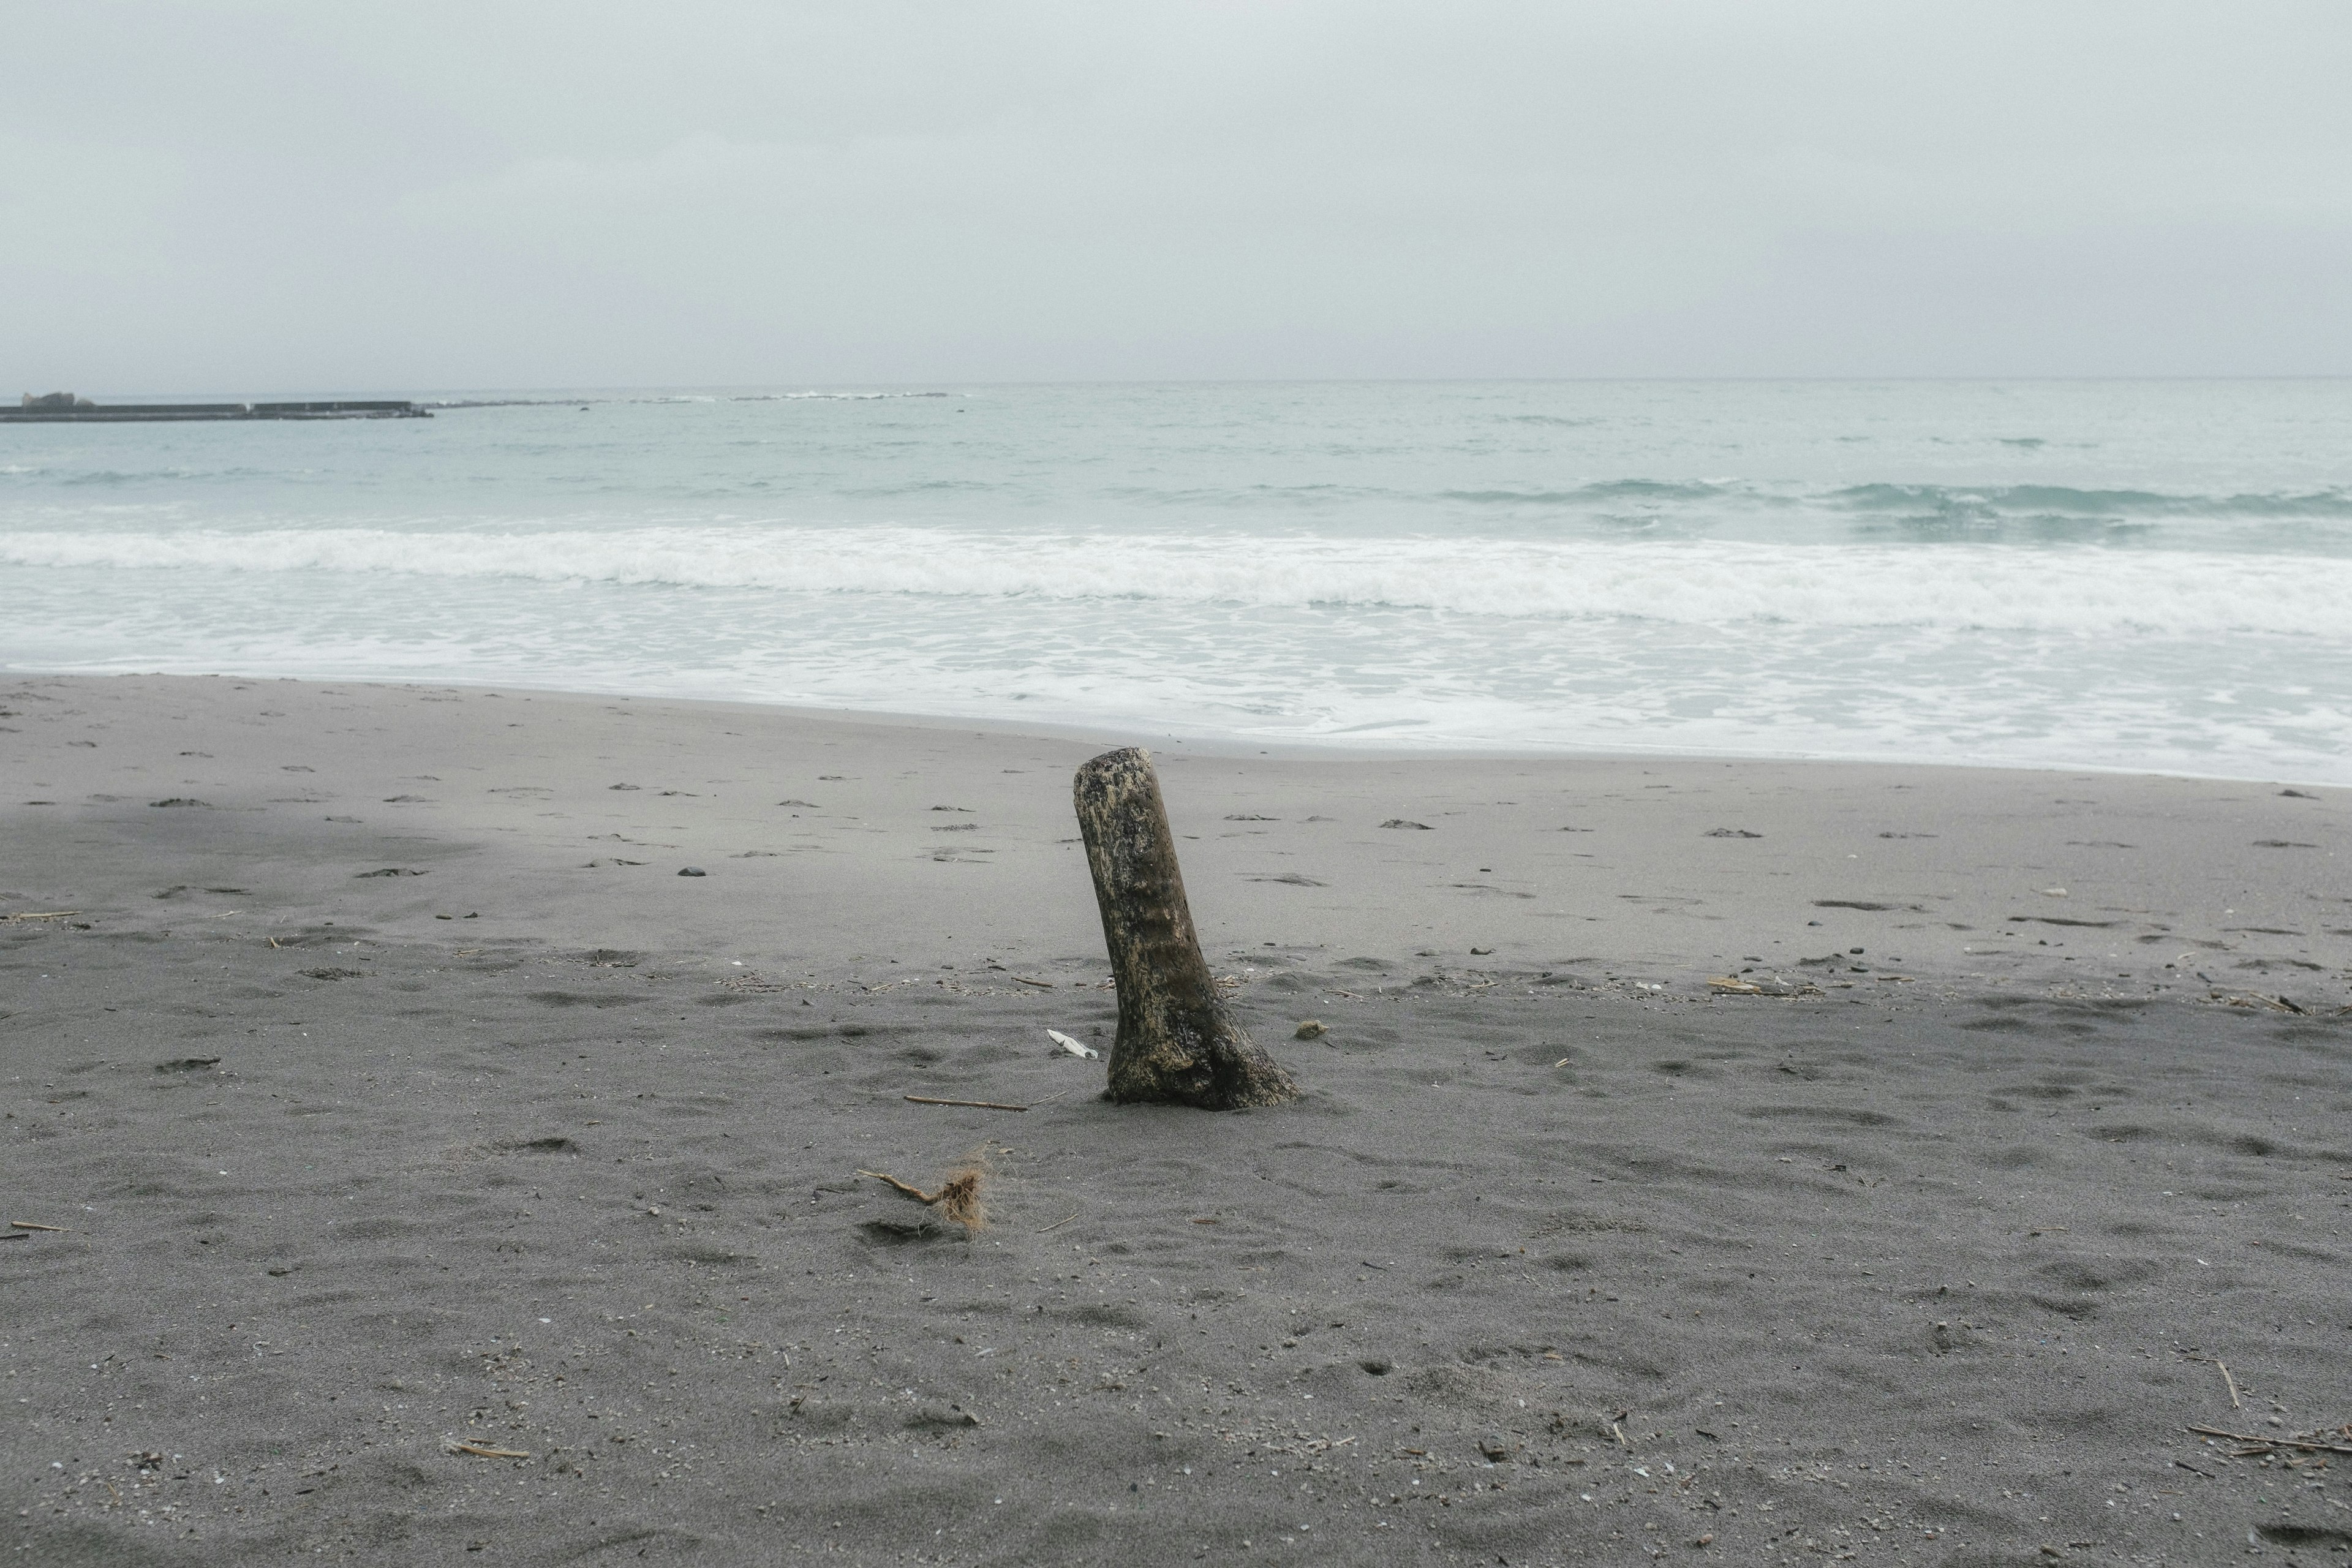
<point>1206,743</point>
<point>431,1168</point>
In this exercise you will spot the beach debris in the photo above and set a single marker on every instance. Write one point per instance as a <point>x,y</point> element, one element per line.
<point>1311,1029</point>
<point>28,1224</point>
<point>2298,794</point>
<point>1074,1048</point>
<point>188,1064</point>
<point>625,786</point>
<point>2235,1403</point>
<point>2252,999</point>
<point>958,1198</point>
<point>1177,1040</point>
<point>1401,822</point>
<point>975,1104</point>
<point>1059,1222</point>
<point>388,872</point>
<point>331,974</point>
<point>2327,1441</point>
<point>42,915</point>
<point>1731,833</point>
<point>483,1451</point>
<point>692,871</point>
<point>1024,980</point>
<point>176,800</point>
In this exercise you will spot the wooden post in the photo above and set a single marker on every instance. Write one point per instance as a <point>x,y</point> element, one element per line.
<point>1177,1043</point>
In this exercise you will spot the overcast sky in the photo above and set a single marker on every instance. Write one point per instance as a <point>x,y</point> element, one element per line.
<point>249,197</point>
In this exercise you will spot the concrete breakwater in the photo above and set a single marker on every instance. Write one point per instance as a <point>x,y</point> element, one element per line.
<point>64,408</point>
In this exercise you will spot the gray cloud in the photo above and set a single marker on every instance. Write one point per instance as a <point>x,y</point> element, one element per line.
<point>239,198</point>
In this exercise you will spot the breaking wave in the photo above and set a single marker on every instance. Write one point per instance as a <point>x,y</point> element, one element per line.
<point>2063,590</point>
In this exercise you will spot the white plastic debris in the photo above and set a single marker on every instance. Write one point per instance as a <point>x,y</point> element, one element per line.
<point>1073,1047</point>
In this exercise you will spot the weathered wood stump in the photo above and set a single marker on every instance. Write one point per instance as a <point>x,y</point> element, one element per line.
<point>1177,1043</point>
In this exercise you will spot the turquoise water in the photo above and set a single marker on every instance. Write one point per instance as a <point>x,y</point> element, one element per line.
<point>2123,574</point>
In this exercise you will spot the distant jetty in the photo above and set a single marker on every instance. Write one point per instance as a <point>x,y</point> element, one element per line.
<point>64,408</point>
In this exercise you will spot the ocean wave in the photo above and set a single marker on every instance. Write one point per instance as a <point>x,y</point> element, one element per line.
<point>2020,501</point>
<point>2068,590</point>
<point>1602,490</point>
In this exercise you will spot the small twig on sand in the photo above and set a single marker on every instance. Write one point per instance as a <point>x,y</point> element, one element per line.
<point>28,1224</point>
<point>912,1190</point>
<point>1061,1221</point>
<point>479,1451</point>
<point>975,1104</point>
<point>1040,984</point>
<point>43,915</point>
<point>2260,1444</point>
<point>2235,1403</point>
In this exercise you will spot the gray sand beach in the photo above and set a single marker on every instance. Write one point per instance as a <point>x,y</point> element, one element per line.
<point>1750,1161</point>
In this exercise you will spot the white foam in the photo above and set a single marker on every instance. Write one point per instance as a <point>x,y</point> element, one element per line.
<point>1959,586</point>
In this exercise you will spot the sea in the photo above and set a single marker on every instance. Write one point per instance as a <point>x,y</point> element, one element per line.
<point>2102,575</point>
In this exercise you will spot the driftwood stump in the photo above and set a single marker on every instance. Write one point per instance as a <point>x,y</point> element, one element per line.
<point>1176,1041</point>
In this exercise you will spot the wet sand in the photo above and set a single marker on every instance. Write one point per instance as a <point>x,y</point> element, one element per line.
<point>394,1091</point>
